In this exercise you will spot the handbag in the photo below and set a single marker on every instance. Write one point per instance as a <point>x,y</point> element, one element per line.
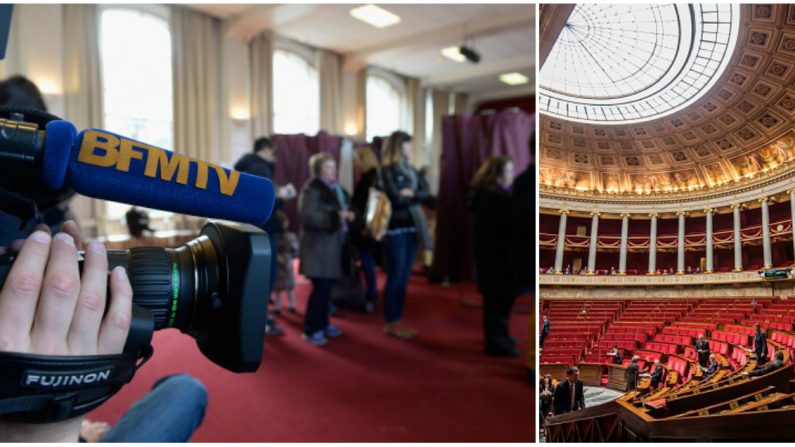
<point>378,211</point>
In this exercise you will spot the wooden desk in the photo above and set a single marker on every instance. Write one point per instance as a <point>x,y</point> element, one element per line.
<point>591,373</point>
<point>616,377</point>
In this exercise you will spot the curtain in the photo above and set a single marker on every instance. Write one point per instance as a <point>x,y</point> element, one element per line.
<point>292,153</point>
<point>416,105</point>
<point>361,101</point>
<point>460,103</point>
<point>467,141</point>
<point>441,106</point>
<point>330,79</point>
<point>196,56</point>
<point>261,52</point>
<point>82,83</point>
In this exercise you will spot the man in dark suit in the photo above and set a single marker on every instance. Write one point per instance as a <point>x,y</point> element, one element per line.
<point>617,356</point>
<point>656,375</point>
<point>569,393</point>
<point>702,349</point>
<point>777,363</point>
<point>544,330</point>
<point>631,374</point>
<point>714,366</point>
<point>760,345</point>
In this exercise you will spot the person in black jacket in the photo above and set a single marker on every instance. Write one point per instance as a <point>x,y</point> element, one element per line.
<point>544,330</point>
<point>777,363</point>
<point>656,375</point>
<point>262,163</point>
<point>631,374</point>
<point>325,223</point>
<point>546,392</point>
<point>760,345</point>
<point>714,366</point>
<point>702,349</point>
<point>407,191</point>
<point>364,244</point>
<point>564,401</point>
<point>490,203</point>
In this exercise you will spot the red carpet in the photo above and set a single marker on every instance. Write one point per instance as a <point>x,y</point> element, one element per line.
<point>364,386</point>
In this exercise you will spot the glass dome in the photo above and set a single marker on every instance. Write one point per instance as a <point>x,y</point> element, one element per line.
<point>619,64</point>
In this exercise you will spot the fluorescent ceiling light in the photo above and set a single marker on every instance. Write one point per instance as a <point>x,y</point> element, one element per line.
<point>454,54</point>
<point>514,78</point>
<point>375,16</point>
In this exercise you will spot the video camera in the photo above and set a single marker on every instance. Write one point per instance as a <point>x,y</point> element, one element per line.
<point>213,288</point>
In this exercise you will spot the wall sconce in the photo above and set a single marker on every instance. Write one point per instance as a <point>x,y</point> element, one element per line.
<point>239,115</point>
<point>351,129</point>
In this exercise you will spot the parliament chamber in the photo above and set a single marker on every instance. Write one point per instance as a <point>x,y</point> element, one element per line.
<point>667,202</point>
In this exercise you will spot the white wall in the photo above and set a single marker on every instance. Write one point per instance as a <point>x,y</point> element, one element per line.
<point>236,91</point>
<point>35,50</point>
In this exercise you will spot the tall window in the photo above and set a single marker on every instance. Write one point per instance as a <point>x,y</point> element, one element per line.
<point>135,48</point>
<point>296,94</point>
<point>384,107</point>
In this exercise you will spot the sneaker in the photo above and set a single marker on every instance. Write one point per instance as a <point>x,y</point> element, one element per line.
<point>273,330</point>
<point>399,331</point>
<point>333,331</point>
<point>317,339</point>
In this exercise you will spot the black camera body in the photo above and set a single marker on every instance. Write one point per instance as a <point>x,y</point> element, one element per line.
<point>214,288</point>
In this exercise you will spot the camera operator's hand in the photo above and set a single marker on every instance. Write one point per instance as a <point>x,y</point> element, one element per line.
<point>46,308</point>
<point>286,192</point>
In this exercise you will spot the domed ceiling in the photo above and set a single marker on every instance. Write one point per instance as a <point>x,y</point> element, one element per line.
<point>734,125</point>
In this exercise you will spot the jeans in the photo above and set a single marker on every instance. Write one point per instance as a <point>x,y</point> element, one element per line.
<point>401,251</point>
<point>368,268</point>
<point>170,412</point>
<point>316,318</point>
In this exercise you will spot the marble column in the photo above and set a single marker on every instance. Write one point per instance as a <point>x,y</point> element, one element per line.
<point>622,254</point>
<point>766,250</point>
<point>710,261</point>
<point>592,247</point>
<point>653,244</point>
<point>561,242</point>
<point>680,244</point>
<point>738,238</point>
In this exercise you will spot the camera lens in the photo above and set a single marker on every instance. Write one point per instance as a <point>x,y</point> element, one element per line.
<point>177,285</point>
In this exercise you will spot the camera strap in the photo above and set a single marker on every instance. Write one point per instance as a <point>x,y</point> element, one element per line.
<point>39,389</point>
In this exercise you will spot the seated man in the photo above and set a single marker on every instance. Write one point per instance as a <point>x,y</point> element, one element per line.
<point>656,374</point>
<point>714,366</point>
<point>617,356</point>
<point>778,362</point>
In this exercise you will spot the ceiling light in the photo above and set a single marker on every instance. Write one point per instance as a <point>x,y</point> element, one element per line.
<point>454,54</point>
<point>514,78</point>
<point>375,16</point>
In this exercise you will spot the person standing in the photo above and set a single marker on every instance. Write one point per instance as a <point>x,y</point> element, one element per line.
<point>365,245</point>
<point>760,345</point>
<point>546,392</point>
<point>544,330</point>
<point>569,395</point>
<point>702,349</point>
<point>325,219</point>
<point>490,204</point>
<point>407,192</point>
<point>631,374</point>
<point>262,163</point>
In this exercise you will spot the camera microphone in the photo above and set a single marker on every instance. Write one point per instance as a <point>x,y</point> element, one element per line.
<point>108,166</point>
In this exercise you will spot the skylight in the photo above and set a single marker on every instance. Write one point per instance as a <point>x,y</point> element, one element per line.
<point>619,64</point>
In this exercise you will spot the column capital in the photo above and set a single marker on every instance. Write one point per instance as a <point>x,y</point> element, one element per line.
<point>682,213</point>
<point>735,206</point>
<point>563,211</point>
<point>765,200</point>
<point>654,215</point>
<point>791,191</point>
<point>596,213</point>
<point>709,211</point>
<point>627,215</point>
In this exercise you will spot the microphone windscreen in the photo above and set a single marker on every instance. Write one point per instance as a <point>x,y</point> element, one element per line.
<point>108,166</point>
<point>57,146</point>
